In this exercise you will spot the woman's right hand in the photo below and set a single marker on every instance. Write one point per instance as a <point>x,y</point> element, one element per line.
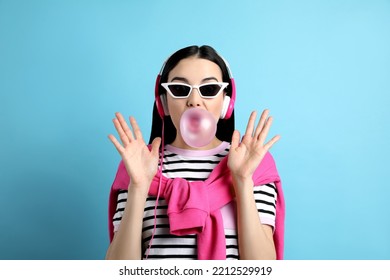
<point>140,162</point>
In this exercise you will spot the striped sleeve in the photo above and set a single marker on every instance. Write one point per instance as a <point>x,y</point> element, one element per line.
<point>120,208</point>
<point>266,197</point>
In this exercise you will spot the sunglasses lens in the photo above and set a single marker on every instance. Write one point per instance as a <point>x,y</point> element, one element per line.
<point>179,90</point>
<point>209,90</point>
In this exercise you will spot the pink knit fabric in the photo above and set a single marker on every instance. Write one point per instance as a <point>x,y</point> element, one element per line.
<point>194,207</point>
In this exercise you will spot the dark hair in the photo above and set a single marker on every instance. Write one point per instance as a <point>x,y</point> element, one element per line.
<point>225,128</point>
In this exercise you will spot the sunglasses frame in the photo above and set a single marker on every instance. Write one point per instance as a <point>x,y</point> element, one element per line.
<point>223,85</point>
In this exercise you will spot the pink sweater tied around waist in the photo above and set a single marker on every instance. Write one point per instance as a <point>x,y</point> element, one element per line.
<point>194,207</point>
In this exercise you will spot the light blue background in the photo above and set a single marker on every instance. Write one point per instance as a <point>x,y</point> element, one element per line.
<point>321,67</point>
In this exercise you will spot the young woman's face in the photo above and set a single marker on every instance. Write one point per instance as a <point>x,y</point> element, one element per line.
<point>194,71</point>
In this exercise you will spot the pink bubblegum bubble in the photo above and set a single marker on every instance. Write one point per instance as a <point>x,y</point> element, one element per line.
<point>197,127</point>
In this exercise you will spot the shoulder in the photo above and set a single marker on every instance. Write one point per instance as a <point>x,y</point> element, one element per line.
<point>266,171</point>
<point>122,179</point>
<point>268,161</point>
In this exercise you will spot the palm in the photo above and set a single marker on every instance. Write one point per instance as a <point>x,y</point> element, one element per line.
<point>140,161</point>
<point>244,157</point>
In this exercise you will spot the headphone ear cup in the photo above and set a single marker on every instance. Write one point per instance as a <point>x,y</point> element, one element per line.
<point>225,107</point>
<point>164,104</point>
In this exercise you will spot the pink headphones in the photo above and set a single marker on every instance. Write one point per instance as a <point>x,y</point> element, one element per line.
<point>228,101</point>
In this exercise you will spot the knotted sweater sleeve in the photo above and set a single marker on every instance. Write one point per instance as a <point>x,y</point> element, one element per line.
<point>265,173</point>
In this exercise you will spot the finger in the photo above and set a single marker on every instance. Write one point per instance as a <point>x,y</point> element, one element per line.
<point>136,129</point>
<point>124,126</point>
<point>116,143</point>
<point>251,124</point>
<point>264,132</point>
<point>121,133</point>
<point>155,146</point>
<point>235,140</point>
<point>262,120</point>
<point>271,142</point>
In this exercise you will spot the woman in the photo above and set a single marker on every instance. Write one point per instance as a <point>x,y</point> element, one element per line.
<point>228,202</point>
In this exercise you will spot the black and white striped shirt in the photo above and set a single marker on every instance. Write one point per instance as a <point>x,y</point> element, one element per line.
<point>193,166</point>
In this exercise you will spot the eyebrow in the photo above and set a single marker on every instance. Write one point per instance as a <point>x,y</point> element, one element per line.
<point>182,79</point>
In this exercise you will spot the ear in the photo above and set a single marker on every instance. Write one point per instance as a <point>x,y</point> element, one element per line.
<point>163,98</point>
<point>225,106</point>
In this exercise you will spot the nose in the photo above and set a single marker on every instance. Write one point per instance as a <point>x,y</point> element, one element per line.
<point>194,100</point>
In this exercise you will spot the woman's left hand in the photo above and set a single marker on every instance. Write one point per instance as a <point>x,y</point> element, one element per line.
<point>245,157</point>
